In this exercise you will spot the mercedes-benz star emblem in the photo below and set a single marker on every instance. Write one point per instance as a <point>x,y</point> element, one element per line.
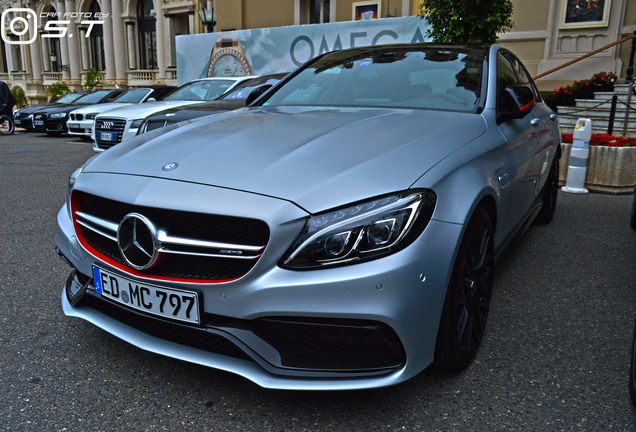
<point>137,241</point>
<point>170,166</point>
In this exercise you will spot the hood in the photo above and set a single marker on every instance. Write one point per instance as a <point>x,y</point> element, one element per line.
<point>187,112</point>
<point>100,108</point>
<point>316,157</point>
<point>34,108</point>
<point>62,108</point>
<point>142,110</point>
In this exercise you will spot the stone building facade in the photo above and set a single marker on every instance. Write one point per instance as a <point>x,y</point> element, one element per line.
<point>136,44</point>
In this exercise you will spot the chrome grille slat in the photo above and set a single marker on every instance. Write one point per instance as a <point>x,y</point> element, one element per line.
<point>97,231</point>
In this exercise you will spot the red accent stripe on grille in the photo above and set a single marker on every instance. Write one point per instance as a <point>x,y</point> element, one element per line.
<point>75,206</point>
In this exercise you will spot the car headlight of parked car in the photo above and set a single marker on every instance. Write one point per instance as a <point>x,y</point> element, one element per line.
<point>90,116</point>
<point>71,182</point>
<point>136,123</point>
<point>57,115</point>
<point>363,231</point>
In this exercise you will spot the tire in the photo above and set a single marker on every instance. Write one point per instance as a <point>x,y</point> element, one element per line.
<point>468,295</point>
<point>549,195</point>
<point>632,371</point>
<point>6,125</point>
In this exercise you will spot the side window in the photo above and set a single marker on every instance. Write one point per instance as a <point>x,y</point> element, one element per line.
<point>505,77</point>
<point>524,78</point>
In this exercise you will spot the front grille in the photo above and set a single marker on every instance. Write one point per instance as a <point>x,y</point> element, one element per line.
<point>76,130</point>
<point>189,263</point>
<point>194,337</point>
<point>109,125</point>
<point>79,116</point>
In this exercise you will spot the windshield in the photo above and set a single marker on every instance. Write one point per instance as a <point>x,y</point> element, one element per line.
<point>68,98</point>
<point>420,77</point>
<point>93,97</point>
<point>132,96</point>
<point>205,90</point>
<point>242,90</point>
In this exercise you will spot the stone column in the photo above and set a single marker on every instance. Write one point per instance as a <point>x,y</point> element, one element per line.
<point>72,45</point>
<point>64,47</point>
<point>170,41</point>
<point>46,54</point>
<point>190,22</point>
<point>118,42</point>
<point>161,51</point>
<point>36,60</point>
<point>132,48</point>
<point>86,57</point>
<point>109,54</point>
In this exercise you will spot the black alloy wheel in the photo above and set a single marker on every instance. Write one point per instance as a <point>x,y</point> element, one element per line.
<point>6,125</point>
<point>468,297</point>
<point>549,195</point>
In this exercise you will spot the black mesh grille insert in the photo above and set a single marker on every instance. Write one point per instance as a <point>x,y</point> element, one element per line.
<point>173,332</point>
<point>198,226</point>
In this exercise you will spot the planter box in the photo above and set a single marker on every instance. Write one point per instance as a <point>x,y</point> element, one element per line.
<point>609,169</point>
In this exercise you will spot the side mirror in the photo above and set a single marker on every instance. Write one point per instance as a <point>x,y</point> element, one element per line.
<point>151,100</point>
<point>256,93</point>
<point>515,102</point>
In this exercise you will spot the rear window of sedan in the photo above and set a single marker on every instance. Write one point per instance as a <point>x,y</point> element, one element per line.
<point>426,78</point>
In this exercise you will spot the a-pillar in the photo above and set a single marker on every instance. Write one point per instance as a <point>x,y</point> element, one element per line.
<point>161,51</point>
<point>109,53</point>
<point>118,42</point>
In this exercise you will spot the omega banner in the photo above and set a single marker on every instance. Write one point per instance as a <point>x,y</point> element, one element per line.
<point>283,49</point>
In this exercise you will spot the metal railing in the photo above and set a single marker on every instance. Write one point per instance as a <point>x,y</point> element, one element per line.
<point>628,78</point>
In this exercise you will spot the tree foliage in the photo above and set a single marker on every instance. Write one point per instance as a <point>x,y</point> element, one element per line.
<point>57,90</point>
<point>93,79</point>
<point>466,21</point>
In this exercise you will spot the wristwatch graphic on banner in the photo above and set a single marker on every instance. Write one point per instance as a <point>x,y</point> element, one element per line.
<point>228,58</point>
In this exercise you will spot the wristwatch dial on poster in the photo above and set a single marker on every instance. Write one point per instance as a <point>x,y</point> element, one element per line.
<point>228,59</point>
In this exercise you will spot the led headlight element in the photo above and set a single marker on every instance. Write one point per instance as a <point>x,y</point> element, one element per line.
<point>363,231</point>
<point>58,115</point>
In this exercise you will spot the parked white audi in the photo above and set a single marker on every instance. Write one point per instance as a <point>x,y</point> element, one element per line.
<point>117,125</point>
<point>81,121</point>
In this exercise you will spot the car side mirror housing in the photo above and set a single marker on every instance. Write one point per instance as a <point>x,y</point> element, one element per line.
<point>515,102</point>
<point>151,100</point>
<point>256,93</point>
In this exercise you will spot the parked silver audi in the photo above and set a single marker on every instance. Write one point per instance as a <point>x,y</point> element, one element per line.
<point>339,233</point>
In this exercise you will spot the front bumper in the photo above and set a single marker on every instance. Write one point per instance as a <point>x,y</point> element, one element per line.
<point>383,300</point>
<point>55,125</point>
<point>25,122</point>
<point>80,127</point>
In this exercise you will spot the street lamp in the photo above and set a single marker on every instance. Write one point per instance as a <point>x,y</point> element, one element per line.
<point>208,18</point>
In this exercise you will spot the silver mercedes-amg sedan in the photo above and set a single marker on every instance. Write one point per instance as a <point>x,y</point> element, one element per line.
<point>339,233</point>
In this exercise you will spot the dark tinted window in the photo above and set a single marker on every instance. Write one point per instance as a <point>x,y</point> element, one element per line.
<point>524,77</point>
<point>245,88</point>
<point>204,90</point>
<point>95,96</point>
<point>132,96</point>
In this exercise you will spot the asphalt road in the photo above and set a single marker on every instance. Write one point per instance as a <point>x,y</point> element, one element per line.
<point>555,356</point>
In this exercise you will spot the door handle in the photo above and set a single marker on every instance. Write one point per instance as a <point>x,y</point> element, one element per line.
<point>534,122</point>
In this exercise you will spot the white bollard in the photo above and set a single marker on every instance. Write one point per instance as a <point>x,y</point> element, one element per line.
<point>578,157</point>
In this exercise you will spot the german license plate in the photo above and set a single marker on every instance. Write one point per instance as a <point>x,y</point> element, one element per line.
<point>38,122</point>
<point>17,121</point>
<point>165,302</point>
<point>104,136</point>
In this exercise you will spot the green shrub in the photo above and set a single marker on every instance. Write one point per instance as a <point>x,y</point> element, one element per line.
<point>579,89</point>
<point>20,97</point>
<point>57,90</point>
<point>93,79</point>
<point>466,21</point>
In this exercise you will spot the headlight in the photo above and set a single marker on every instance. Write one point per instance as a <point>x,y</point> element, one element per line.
<point>57,115</point>
<point>142,128</point>
<point>90,116</point>
<point>71,182</point>
<point>16,113</point>
<point>363,231</point>
<point>136,123</point>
